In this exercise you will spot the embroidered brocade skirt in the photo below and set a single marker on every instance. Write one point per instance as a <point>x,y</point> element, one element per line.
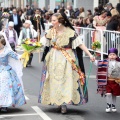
<point>11,92</point>
<point>59,82</point>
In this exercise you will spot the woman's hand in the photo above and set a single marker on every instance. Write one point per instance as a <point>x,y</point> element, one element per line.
<point>92,58</point>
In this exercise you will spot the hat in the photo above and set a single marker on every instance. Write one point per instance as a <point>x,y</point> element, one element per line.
<point>28,22</point>
<point>11,24</point>
<point>113,50</point>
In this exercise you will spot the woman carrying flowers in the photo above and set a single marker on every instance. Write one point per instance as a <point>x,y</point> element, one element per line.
<point>62,81</point>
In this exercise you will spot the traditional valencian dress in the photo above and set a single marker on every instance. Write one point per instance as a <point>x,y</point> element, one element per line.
<point>60,83</point>
<point>11,88</point>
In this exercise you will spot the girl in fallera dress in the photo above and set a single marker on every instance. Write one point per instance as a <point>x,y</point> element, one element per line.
<point>11,86</point>
<point>108,75</point>
<point>63,81</point>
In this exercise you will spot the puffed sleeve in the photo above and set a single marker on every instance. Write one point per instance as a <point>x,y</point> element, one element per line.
<point>45,40</point>
<point>76,42</point>
<point>14,55</point>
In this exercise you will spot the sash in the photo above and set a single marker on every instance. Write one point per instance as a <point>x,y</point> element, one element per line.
<point>73,63</point>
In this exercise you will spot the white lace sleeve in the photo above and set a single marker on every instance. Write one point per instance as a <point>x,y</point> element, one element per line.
<point>78,41</point>
<point>44,41</point>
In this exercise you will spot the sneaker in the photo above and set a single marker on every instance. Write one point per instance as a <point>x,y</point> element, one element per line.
<point>114,108</point>
<point>108,107</point>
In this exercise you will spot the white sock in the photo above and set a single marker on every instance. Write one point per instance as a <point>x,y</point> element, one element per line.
<point>109,98</point>
<point>113,100</point>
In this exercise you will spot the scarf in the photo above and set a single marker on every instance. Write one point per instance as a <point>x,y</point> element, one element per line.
<point>24,31</point>
<point>7,34</point>
<point>102,74</point>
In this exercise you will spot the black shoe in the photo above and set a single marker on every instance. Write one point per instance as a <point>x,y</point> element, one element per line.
<point>28,65</point>
<point>4,109</point>
<point>63,109</point>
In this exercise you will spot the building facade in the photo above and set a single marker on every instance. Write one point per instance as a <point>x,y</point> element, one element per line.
<point>51,4</point>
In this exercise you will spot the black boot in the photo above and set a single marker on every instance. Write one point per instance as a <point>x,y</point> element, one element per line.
<point>4,109</point>
<point>30,60</point>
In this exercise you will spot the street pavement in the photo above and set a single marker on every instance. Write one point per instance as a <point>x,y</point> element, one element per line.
<point>93,110</point>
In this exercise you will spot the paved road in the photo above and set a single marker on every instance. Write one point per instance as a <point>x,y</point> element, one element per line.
<point>94,110</point>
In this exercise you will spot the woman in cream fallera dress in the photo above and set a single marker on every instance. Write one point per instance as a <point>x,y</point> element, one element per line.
<point>60,84</point>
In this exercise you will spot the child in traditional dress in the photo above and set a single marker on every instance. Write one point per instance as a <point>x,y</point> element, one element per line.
<point>27,32</point>
<point>11,35</point>
<point>11,86</point>
<point>109,78</point>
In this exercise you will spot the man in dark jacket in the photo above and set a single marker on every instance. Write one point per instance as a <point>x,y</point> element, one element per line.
<point>17,21</point>
<point>29,11</point>
<point>40,19</point>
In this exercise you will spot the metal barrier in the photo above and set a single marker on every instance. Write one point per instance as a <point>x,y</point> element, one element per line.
<point>108,39</point>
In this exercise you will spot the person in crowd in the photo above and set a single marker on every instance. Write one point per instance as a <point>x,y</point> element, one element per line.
<point>108,75</point>
<point>100,8</point>
<point>11,35</point>
<point>113,25</point>
<point>27,32</point>
<point>109,6</point>
<point>101,20</point>
<point>22,16</point>
<point>82,12</point>
<point>30,11</point>
<point>116,11</point>
<point>96,11</point>
<point>80,19</point>
<point>37,20</point>
<point>89,13</point>
<point>17,21</point>
<point>11,85</point>
<point>43,10</point>
<point>58,87</point>
<point>70,12</point>
<point>89,22</point>
<point>77,12</point>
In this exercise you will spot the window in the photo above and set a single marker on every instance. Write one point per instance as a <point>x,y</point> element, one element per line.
<point>103,2</point>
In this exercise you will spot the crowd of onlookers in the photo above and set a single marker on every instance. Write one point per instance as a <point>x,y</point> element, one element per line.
<point>106,16</point>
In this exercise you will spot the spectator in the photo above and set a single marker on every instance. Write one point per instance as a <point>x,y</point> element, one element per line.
<point>17,21</point>
<point>89,13</point>
<point>43,10</point>
<point>116,11</point>
<point>71,11</point>
<point>22,16</point>
<point>100,8</point>
<point>77,12</point>
<point>29,11</point>
<point>109,6</point>
<point>82,12</point>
